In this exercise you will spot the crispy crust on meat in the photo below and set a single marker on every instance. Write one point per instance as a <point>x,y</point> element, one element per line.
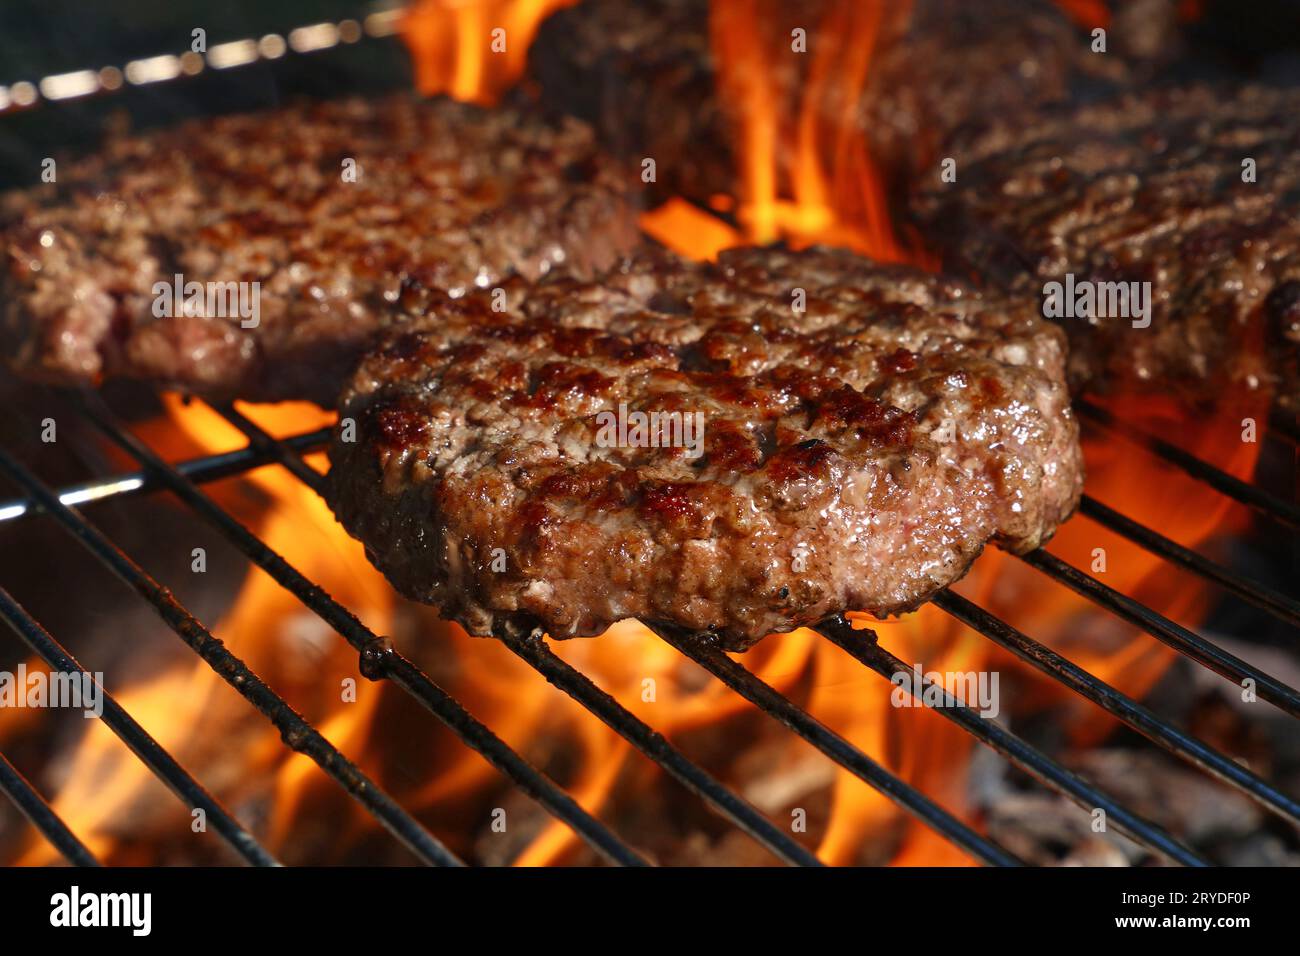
<point>1148,187</point>
<point>887,432</point>
<point>445,194</point>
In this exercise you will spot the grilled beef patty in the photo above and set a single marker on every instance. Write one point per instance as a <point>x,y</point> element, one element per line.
<point>642,74</point>
<point>645,74</point>
<point>444,194</point>
<point>857,453</point>
<point>1148,187</point>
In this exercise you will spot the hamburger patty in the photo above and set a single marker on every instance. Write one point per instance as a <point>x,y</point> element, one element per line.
<point>1148,187</point>
<point>856,453</point>
<point>645,74</point>
<point>445,194</point>
<point>642,74</point>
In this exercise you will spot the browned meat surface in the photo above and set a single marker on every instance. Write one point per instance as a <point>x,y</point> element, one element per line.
<point>959,64</point>
<point>445,194</point>
<point>1148,187</point>
<point>856,454</point>
<point>642,74</point>
<point>645,74</point>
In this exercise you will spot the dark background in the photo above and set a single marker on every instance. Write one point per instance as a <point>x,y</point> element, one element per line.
<point>1256,38</point>
<point>38,39</point>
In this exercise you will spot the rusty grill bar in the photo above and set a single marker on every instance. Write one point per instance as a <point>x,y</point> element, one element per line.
<point>378,661</point>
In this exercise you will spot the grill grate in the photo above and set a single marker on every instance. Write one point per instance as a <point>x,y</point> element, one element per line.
<point>1283,608</point>
<point>33,806</point>
<point>378,661</point>
<point>1265,503</point>
<point>150,752</point>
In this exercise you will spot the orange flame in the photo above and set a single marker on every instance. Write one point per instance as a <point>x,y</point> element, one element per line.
<point>238,755</point>
<point>826,188</point>
<point>828,191</point>
<point>473,50</point>
<point>689,230</point>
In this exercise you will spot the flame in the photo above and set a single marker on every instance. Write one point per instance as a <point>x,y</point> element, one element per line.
<point>237,754</point>
<point>689,230</point>
<point>823,189</point>
<point>473,50</point>
<point>827,189</point>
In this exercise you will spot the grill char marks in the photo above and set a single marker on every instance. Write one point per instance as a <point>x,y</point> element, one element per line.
<point>831,475</point>
<point>446,196</point>
<point>1148,187</point>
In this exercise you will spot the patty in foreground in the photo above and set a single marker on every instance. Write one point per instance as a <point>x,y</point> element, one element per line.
<point>329,207</point>
<point>865,432</point>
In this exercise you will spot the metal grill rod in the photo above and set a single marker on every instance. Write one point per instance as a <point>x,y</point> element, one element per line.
<point>1170,739</point>
<point>1167,737</point>
<point>1120,706</point>
<point>141,743</point>
<point>42,816</point>
<point>867,651</point>
<point>130,484</point>
<point>296,732</point>
<point>780,708</point>
<point>532,649</point>
<point>378,659</point>
<point>1262,501</point>
<point>1163,629</point>
<point>1274,602</point>
<point>382,20</point>
<point>273,448</point>
<point>581,689</point>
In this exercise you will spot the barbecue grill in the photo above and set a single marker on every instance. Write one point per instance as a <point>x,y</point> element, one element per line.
<point>67,508</point>
<point>379,661</point>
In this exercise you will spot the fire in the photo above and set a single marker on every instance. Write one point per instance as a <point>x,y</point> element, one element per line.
<point>239,756</point>
<point>806,172</point>
<point>188,709</point>
<point>689,230</point>
<point>806,179</point>
<point>473,50</point>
